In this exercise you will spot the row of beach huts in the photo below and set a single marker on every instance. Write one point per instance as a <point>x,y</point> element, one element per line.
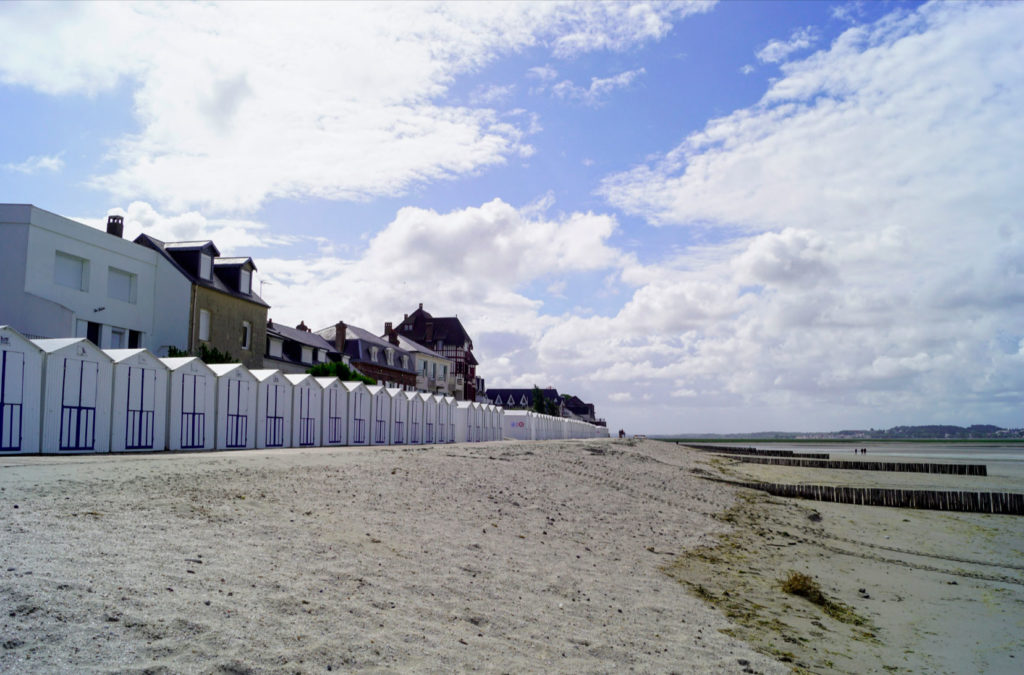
<point>61,396</point>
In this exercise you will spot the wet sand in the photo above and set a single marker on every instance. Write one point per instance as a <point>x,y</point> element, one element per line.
<point>560,556</point>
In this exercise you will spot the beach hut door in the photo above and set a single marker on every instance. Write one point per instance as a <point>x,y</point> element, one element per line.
<point>238,414</point>
<point>358,418</point>
<point>307,423</point>
<point>78,405</point>
<point>12,373</point>
<point>275,417</point>
<point>141,409</point>
<point>193,411</point>
<point>335,422</point>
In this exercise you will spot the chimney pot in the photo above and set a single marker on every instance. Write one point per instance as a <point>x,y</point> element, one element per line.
<point>115,226</point>
<point>303,327</point>
<point>421,305</point>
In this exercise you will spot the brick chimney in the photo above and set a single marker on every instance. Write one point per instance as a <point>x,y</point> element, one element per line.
<point>115,226</point>
<point>303,327</point>
<point>389,330</point>
<point>339,336</point>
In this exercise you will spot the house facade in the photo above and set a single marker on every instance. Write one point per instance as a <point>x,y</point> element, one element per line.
<point>431,368</point>
<point>60,278</point>
<point>448,337</point>
<point>223,312</point>
<point>385,362</point>
<point>296,350</point>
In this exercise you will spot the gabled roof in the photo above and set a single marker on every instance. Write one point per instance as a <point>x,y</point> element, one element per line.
<point>413,346</point>
<point>357,340</point>
<point>518,394</point>
<point>233,262</point>
<point>446,328</point>
<point>215,282</point>
<point>300,336</point>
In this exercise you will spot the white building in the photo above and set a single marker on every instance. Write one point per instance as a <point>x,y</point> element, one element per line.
<point>64,279</point>
<point>273,409</point>
<point>334,417</point>
<point>307,410</point>
<point>359,407</point>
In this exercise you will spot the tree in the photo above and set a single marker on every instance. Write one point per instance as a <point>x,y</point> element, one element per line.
<point>538,401</point>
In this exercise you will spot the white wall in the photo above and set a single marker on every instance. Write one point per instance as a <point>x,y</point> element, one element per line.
<point>38,306</point>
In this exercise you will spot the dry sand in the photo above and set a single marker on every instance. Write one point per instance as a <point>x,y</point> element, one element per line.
<point>567,556</point>
<point>503,557</point>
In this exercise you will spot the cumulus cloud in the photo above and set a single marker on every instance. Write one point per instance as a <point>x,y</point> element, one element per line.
<point>867,211</point>
<point>237,103</point>
<point>35,164</point>
<point>599,89</point>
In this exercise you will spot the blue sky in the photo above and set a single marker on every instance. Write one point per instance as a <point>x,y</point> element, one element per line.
<point>703,217</point>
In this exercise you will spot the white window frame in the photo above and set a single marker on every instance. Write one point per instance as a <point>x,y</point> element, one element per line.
<point>276,347</point>
<point>307,354</point>
<point>373,353</point>
<point>64,271</point>
<point>246,335</point>
<point>390,355</point>
<point>204,325</point>
<point>120,333</point>
<point>206,266</point>
<point>245,281</point>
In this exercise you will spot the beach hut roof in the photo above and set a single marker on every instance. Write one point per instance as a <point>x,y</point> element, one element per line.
<point>225,368</point>
<point>327,382</point>
<point>352,385</point>
<point>264,373</point>
<point>298,378</point>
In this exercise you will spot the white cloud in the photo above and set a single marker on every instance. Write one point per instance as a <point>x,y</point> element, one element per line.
<point>35,164</point>
<point>778,50</point>
<point>232,236</point>
<point>239,103</point>
<point>599,88</point>
<point>747,69</point>
<point>543,73</point>
<point>870,251</point>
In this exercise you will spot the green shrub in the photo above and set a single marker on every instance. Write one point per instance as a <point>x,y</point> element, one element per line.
<point>340,370</point>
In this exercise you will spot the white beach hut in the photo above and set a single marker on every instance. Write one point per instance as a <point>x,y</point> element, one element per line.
<point>452,404</point>
<point>359,410</point>
<point>415,402</point>
<point>307,410</point>
<point>334,414</point>
<point>77,378</point>
<point>399,416</point>
<point>464,422</point>
<point>138,412</point>
<point>236,406</point>
<point>519,424</point>
<point>429,434</point>
<point>273,409</point>
<point>21,386</point>
<point>192,404</point>
<point>380,414</point>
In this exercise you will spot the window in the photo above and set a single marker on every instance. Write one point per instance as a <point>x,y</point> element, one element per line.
<point>405,362</point>
<point>121,285</point>
<point>71,271</point>
<point>373,353</point>
<point>117,340</point>
<point>391,356</point>
<point>275,347</point>
<point>205,265</point>
<point>307,355</point>
<point>246,335</point>
<point>245,281</point>
<point>204,325</point>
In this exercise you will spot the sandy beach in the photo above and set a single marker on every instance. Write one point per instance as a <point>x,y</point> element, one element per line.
<point>567,556</point>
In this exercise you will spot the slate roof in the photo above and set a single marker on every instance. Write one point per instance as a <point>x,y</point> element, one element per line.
<point>357,343</point>
<point>215,282</point>
<point>517,394</point>
<point>446,328</point>
<point>300,336</point>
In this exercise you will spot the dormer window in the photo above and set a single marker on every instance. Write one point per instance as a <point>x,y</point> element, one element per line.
<point>373,353</point>
<point>405,362</point>
<point>205,266</point>
<point>391,356</point>
<point>245,281</point>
